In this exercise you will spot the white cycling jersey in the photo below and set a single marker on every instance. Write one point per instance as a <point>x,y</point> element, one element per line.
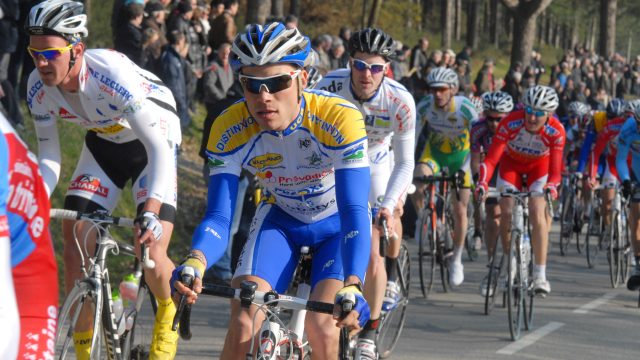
<point>118,101</point>
<point>390,117</point>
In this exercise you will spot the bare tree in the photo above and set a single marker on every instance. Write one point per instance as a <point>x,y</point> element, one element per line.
<point>524,27</point>
<point>277,8</point>
<point>375,12</point>
<point>258,11</point>
<point>473,23</point>
<point>493,22</point>
<point>294,7</point>
<point>447,16</point>
<point>607,40</point>
<point>575,25</point>
<point>458,16</point>
<point>427,7</point>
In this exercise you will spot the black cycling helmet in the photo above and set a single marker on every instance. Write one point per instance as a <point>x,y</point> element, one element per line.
<point>372,41</point>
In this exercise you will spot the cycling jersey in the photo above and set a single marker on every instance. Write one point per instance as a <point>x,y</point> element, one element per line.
<point>606,143</point>
<point>32,258</point>
<point>118,101</point>
<point>389,117</point>
<point>481,137</point>
<point>443,135</point>
<point>628,145</point>
<point>311,169</point>
<point>540,153</point>
<point>595,127</point>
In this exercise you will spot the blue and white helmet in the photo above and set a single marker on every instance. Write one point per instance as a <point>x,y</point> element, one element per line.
<point>272,43</point>
<point>615,108</point>
<point>578,108</point>
<point>498,101</point>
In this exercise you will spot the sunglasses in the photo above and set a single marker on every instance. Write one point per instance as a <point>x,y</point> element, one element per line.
<point>537,113</point>
<point>50,53</point>
<point>271,84</point>
<point>363,65</point>
<point>492,118</point>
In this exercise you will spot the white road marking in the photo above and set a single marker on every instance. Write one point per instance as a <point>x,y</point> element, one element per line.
<point>530,339</point>
<point>595,303</point>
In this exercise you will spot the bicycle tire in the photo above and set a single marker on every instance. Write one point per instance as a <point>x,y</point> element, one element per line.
<point>566,223</point>
<point>393,321</point>
<point>612,256</point>
<point>625,251</point>
<point>470,244</point>
<point>82,292</point>
<point>345,350</point>
<point>492,281</point>
<point>444,252</point>
<point>426,253</point>
<point>592,240</point>
<point>136,342</point>
<point>515,296</point>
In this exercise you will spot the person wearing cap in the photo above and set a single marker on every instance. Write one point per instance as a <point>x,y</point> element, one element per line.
<point>133,134</point>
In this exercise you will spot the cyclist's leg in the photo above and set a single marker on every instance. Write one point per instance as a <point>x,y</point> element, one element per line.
<point>456,162</point>
<point>425,166</point>
<point>508,179</point>
<point>633,283</point>
<point>610,181</point>
<point>540,225</point>
<point>492,218</point>
<point>269,259</point>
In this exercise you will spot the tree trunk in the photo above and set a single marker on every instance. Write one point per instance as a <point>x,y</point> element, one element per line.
<point>493,22</point>
<point>592,40</point>
<point>375,12</point>
<point>575,25</point>
<point>447,29</point>
<point>427,7</point>
<point>458,27</point>
<point>524,27</point>
<point>364,13</point>
<point>473,22</point>
<point>557,34</point>
<point>258,11</point>
<point>486,16</point>
<point>294,7</point>
<point>277,8</point>
<point>508,25</point>
<point>607,43</point>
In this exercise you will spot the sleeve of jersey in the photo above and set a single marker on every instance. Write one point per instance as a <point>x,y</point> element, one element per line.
<point>624,144</point>
<point>594,157</point>
<point>352,193</point>
<point>49,156</point>
<point>498,144</point>
<point>586,149</point>
<point>159,152</point>
<point>212,235</point>
<point>403,142</point>
<point>555,160</point>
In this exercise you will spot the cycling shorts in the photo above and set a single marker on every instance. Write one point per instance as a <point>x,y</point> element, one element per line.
<point>37,294</point>
<point>459,160</point>
<point>511,171</point>
<point>381,165</point>
<point>273,248</point>
<point>103,170</point>
<point>610,176</point>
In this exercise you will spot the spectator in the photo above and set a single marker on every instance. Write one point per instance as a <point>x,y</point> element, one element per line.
<point>464,78</point>
<point>484,80</point>
<point>118,19</point>
<point>434,61</point>
<point>9,30</point>
<point>537,65</point>
<point>512,82</point>
<point>223,27</point>
<point>217,9</point>
<point>400,64</point>
<point>197,39</point>
<point>217,81</point>
<point>465,54</point>
<point>448,59</point>
<point>291,21</point>
<point>345,34</point>
<point>128,38</point>
<point>180,18</point>
<point>420,57</point>
<point>155,20</point>
<point>322,44</point>
<point>202,14</point>
<point>150,59</point>
<point>173,73</point>
<point>337,56</point>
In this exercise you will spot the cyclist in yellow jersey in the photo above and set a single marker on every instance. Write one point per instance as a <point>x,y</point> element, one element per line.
<point>442,136</point>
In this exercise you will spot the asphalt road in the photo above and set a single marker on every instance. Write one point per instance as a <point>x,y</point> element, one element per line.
<point>582,318</point>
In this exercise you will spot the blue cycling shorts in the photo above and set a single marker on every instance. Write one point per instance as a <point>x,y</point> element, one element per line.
<point>273,248</point>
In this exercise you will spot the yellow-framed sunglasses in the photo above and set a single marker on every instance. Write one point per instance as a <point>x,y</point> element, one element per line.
<point>50,53</point>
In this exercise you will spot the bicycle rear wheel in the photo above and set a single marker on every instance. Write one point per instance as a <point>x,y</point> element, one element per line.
<point>84,293</point>
<point>345,348</point>
<point>470,243</point>
<point>613,254</point>
<point>393,321</point>
<point>445,250</point>
<point>136,342</point>
<point>492,281</point>
<point>625,249</point>
<point>515,291</point>
<point>566,225</point>
<point>592,238</point>
<point>426,253</point>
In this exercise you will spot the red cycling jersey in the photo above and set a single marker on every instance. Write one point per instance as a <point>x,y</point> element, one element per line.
<point>539,153</point>
<point>607,140</point>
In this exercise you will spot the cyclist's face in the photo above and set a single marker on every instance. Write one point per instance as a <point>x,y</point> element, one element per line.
<point>274,110</point>
<point>366,78</point>
<point>493,118</point>
<point>534,123</point>
<point>53,71</point>
<point>442,95</point>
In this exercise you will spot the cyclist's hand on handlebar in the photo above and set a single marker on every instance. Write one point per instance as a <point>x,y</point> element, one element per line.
<point>350,300</point>
<point>148,227</point>
<point>552,190</point>
<point>178,288</point>
<point>626,188</point>
<point>481,191</point>
<point>384,213</point>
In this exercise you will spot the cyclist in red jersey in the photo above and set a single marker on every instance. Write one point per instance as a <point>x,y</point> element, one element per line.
<point>532,141</point>
<point>35,272</point>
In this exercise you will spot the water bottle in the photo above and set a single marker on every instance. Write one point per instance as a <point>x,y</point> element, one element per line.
<point>526,248</point>
<point>118,309</point>
<point>129,287</point>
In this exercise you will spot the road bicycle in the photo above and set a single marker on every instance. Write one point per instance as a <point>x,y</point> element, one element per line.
<point>392,321</point>
<point>122,337</point>
<point>470,240</point>
<point>435,231</point>
<point>617,240</point>
<point>572,212</point>
<point>494,265</point>
<point>595,228</point>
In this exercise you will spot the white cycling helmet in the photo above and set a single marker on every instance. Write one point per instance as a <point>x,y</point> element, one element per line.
<point>64,18</point>
<point>631,106</point>
<point>579,108</point>
<point>442,77</point>
<point>541,97</point>
<point>498,101</point>
<point>272,43</point>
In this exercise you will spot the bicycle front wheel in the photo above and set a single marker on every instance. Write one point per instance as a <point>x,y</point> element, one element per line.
<point>426,253</point>
<point>492,280</point>
<point>136,341</point>
<point>613,254</point>
<point>515,291</point>
<point>566,225</point>
<point>83,296</point>
<point>591,240</point>
<point>393,321</point>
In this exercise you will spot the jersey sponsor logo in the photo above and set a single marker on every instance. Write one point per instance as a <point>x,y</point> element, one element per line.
<point>304,143</point>
<point>111,84</point>
<point>41,117</point>
<point>65,114</point>
<point>89,183</point>
<point>550,130</point>
<point>353,155</point>
<point>309,207</point>
<point>22,197</point>
<point>333,87</point>
<point>266,160</point>
<point>143,192</point>
<point>215,162</point>
<point>328,264</point>
<point>328,128</point>
<point>108,130</point>
<point>378,121</point>
<point>4,226</point>
<point>300,179</point>
<point>515,124</point>
<point>233,130</point>
<point>352,234</point>
<point>33,91</point>
<point>315,161</point>
<point>266,176</point>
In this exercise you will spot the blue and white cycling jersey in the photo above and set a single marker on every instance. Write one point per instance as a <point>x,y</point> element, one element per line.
<point>628,141</point>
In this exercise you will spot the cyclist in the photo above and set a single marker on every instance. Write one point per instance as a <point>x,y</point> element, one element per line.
<point>532,141</point>
<point>308,152</point>
<point>442,135</point>
<point>133,133</point>
<point>627,146</point>
<point>10,335</point>
<point>32,259</point>
<point>389,114</point>
<point>497,105</point>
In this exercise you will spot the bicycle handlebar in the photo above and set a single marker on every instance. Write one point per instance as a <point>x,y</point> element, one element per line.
<point>385,237</point>
<point>102,217</point>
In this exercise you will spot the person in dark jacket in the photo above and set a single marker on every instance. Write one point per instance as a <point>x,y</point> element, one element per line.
<point>128,38</point>
<point>173,68</point>
<point>8,45</point>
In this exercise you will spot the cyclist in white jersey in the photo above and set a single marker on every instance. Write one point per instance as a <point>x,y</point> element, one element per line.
<point>389,111</point>
<point>133,133</point>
